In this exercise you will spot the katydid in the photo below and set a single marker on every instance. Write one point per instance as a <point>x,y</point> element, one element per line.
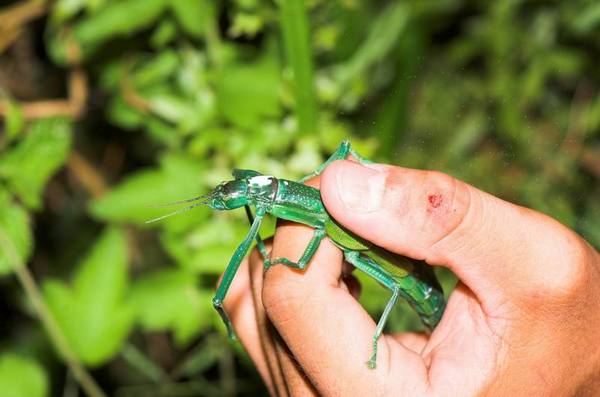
<point>297,202</point>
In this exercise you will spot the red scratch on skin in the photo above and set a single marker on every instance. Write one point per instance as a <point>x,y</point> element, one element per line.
<point>435,200</point>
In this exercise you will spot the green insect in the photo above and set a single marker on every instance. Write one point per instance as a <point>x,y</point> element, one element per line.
<point>294,201</point>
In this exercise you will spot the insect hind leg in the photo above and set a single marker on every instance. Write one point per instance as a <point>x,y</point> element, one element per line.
<point>260,244</point>
<point>232,268</point>
<point>309,252</point>
<point>366,265</point>
<point>340,153</point>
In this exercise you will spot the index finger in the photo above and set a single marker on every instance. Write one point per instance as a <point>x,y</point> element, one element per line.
<point>326,329</point>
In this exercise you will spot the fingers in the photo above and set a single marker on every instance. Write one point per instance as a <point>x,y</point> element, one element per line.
<point>413,341</point>
<point>326,329</point>
<point>286,377</point>
<point>496,248</point>
<point>264,346</point>
<point>265,334</point>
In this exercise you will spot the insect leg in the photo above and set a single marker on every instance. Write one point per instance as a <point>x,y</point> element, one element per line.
<point>232,267</point>
<point>367,266</point>
<point>340,153</point>
<point>243,174</point>
<point>310,250</point>
<point>259,242</point>
<point>359,157</point>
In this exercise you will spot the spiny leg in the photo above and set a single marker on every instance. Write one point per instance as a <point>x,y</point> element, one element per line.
<point>340,153</point>
<point>259,242</point>
<point>232,267</point>
<point>366,265</point>
<point>310,250</point>
<point>244,174</point>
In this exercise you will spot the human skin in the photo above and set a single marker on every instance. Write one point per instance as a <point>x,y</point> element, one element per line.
<point>523,320</point>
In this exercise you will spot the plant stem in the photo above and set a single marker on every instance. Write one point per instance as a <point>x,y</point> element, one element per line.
<point>85,380</point>
<point>296,38</point>
<point>143,364</point>
<point>393,116</point>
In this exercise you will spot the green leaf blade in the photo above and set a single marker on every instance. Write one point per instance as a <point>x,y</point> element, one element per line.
<point>30,164</point>
<point>93,313</point>
<point>22,377</point>
<point>14,224</point>
<point>170,300</point>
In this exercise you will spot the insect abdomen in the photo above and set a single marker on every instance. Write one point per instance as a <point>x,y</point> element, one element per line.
<point>342,237</point>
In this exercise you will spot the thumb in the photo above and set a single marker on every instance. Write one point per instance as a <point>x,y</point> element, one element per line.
<point>497,249</point>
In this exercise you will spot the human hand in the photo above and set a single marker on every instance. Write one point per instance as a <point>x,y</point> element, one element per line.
<point>523,320</point>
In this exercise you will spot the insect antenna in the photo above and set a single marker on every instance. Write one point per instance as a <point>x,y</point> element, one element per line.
<point>182,210</point>
<point>204,196</point>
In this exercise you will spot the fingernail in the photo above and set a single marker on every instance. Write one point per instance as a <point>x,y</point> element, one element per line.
<point>360,188</point>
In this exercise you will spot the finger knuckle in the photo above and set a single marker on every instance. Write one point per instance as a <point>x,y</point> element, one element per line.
<point>444,202</point>
<point>571,273</point>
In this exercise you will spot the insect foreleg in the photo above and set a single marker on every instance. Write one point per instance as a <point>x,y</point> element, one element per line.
<point>310,250</point>
<point>232,267</point>
<point>259,242</point>
<point>384,278</point>
<point>341,153</point>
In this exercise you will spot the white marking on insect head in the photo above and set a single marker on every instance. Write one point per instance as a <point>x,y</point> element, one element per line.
<point>261,180</point>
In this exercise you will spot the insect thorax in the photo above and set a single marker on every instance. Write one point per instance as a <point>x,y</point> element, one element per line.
<point>262,188</point>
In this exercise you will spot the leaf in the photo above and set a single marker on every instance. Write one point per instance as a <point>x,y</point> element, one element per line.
<point>92,312</point>
<point>246,93</point>
<point>193,15</point>
<point>164,33</point>
<point>207,248</point>
<point>22,377</point>
<point>465,137</point>
<point>118,18</point>
<point>171,107</point>
<point>384,32</point>
<point>13,122</point>
<point>64,10</point>
<point>588,18</point>
<point>29,165</point>
<point>122,114</point>
<point>170,300</point>
<point>178,178</point>
<point>14,224</point>
<point>157,69</point>
<point>245,24</point>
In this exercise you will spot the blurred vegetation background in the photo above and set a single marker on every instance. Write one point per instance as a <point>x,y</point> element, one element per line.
<point>110,106</point>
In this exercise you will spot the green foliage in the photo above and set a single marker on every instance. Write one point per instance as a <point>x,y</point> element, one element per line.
<point>183,91</point>
<point>27,167</point>
<point>194,16</point>
<point>170,299</point>
<point>296,39</point>
<point>383,35</point>
<point>249,93</point>
<point>13,123</point>
<point>14,223</point>
<point>22,377</point>
<point>131,201</point>
<point>120,18</point>
<point>93,312</point>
